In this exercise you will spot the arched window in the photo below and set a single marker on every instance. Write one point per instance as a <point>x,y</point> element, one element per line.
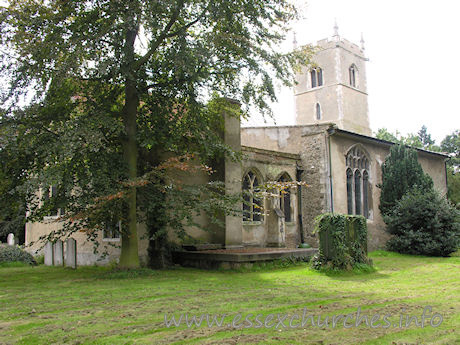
<point>350,191</point>
<point>357,174</point>
<point>252,205</point>
<point>358,192</point>
<point>353,71</point>
<point>285,198</point>
<point>316,77</point>
<point>318,111</point>
<point>365,191</point>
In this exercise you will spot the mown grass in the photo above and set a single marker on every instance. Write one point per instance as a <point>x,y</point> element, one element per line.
<point>94,305</point>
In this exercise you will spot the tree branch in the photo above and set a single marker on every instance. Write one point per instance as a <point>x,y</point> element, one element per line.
<point>163,35</point>
<point>165,31</point>
<point>193,22</point>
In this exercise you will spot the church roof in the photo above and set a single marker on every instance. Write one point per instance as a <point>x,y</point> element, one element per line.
<point>335,130</point>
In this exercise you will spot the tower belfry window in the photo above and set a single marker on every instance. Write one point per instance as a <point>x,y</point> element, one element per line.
<point>316,77</point>
<point>352,71</point>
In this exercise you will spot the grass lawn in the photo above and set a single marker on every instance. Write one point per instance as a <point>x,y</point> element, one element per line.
<point>94,305</point>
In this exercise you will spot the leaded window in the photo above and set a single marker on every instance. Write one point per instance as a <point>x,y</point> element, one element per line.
<point>285,198</point>
<point>357,177</point>
<point>252,205</point>
<point>316,75</point>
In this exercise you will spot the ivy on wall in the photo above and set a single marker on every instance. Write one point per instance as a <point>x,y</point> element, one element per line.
<point>343,241</point>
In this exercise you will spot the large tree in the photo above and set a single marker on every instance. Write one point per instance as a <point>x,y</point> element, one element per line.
<point>117,80</point>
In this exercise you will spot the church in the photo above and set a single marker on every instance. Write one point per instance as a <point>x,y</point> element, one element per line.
<point>330,149</point>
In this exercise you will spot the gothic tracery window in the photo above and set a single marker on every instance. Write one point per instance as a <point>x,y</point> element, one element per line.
<point>357,177</point>
<point>252,205</point>
<point>285,198</point>
<point>316,75</point>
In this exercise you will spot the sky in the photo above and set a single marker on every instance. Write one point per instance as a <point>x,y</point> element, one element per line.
<point>413,72</point>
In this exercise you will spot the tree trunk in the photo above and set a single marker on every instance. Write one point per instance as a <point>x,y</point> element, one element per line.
<point>129,257</point>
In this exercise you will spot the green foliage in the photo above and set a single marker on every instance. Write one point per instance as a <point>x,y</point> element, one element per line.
<point>118,85</point>
<point>421,140</point>
<point>423,222</point>
<point>384,134</point>
<point>451,145</point>
<point>39,259</point>
<point>425,137</point>
<point>343,241</point>
<point>401,172</point>
<point>15,254</point>
<point>453,186</point>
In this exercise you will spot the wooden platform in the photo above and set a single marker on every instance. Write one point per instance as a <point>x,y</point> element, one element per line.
<point>238,257</point>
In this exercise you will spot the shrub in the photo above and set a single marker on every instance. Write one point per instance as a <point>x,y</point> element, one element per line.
<point>39,259</point>
<point>343,241</point>
<point>423,222</point>
<point>15,254</point>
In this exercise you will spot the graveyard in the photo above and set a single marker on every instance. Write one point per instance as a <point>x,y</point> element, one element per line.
<point>102,305</point>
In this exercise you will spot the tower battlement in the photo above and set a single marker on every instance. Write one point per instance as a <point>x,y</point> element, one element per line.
<point>330,43</point>
<point>334,89</point>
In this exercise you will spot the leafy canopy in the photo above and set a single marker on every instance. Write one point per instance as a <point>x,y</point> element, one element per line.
<point>119,87</point>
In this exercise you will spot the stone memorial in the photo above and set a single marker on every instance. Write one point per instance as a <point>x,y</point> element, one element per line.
<point>48,252</point>
<point>10,239</point>
<point>58,253</point>
<point>71,253</point>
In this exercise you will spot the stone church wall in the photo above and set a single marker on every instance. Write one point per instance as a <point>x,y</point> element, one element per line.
<point>432,164</point>
<point>315,196</point>
<point>270,166</point>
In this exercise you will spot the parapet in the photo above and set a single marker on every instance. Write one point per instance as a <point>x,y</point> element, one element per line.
<point>333,42</point>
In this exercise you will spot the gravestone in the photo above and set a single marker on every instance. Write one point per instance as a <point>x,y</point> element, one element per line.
<point>48,251</point>
<point>10,239</point>
<point>58,253</point>
<point>71,253</point>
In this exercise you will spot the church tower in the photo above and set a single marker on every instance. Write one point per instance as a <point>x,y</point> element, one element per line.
<point>334,88</point>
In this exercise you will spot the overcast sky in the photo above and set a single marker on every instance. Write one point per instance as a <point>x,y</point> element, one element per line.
<point>413,72</point>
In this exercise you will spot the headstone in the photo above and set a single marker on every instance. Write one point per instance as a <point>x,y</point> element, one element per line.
<point>48,253</point>
<point>71,253</point>
<point>10,239</point>
<point>58,253</point>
